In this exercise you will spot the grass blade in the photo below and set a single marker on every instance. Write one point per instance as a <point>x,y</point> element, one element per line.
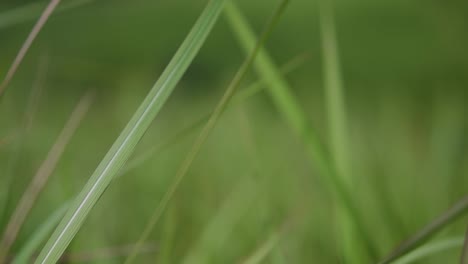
<point>220,107</point>
<point>41,177</point>
<point>132,133</point>
<point>287,104</point>
<point>264,250</point>
<point>428,231</point>
<point>338,128</point>
<point>27,44</point>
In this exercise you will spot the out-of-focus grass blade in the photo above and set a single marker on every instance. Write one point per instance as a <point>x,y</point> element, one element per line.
<point>215,235</point>
<point>26,252</point>
<point>428,231</point>
<point>264,250</point>
<point>132,133</point>
<point>280,92</point>
<point>19,135</point>
<point>31,11</point>
<point>431,249</point>
<point>210,124</point>
<point>338,128</point>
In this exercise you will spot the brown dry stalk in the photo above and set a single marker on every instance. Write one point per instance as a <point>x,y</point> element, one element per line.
<point>39,180</point>
<point>27,44</point>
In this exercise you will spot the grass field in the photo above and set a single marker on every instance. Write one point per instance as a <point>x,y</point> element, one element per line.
<point>234,131</point>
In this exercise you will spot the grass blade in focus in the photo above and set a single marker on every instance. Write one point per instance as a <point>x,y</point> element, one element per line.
<point>132,133</point>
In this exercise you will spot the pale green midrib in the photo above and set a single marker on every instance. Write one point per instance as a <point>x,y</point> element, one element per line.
<point>130,136</point>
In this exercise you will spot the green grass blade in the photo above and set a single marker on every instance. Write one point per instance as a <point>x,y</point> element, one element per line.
<point>338,128</point>
<point>431,249</point>
<point>31,11</point>
<point>280,92</point>
<point>39,236</point>
<point>428,231</point>
<point>132,133</point>
<point>219,109</point>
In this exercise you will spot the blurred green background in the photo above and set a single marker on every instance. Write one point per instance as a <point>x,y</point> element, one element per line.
<point>405,72</point>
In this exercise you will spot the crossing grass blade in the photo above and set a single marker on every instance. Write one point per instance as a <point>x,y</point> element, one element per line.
<point>131,134</point>
<point>287,104</point>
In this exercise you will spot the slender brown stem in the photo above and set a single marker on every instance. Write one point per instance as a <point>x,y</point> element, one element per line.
<point>428,231</point>
<point>39,180</point>
<point>27,44</point>
<point>464,254</point>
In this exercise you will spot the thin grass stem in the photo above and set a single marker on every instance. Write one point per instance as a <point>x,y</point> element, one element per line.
<point>42,175</point>
<point>428,231</point>
<point>27,44</point>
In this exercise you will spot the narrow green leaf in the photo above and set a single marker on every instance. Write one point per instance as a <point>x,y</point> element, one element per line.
<point>132,133</point>
<point>264,250</point>
<point>338,128</point>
